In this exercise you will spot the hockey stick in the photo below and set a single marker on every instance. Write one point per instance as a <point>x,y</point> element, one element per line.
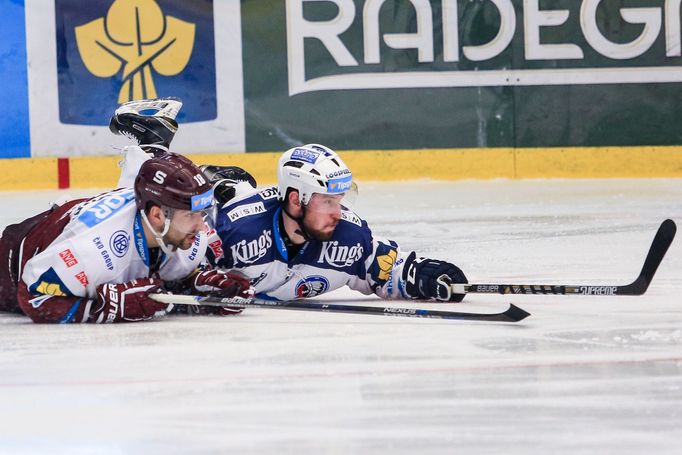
<point>512,314</point>
<point>660,245</point>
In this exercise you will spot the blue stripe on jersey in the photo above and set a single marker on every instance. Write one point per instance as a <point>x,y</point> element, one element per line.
<point>278,237</point>
<point>140,239</point>
<point>69,316</point>
<point>267,297</point>
<point>401,288</point>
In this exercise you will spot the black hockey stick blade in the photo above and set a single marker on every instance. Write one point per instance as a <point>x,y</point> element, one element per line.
<point>659,247</point>
<point>512,314</point>
<point>515,314</point>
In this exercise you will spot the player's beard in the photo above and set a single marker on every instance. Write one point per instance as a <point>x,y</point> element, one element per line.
<point>178,240</point>
<point>182,232</point>
<point>320,234</point>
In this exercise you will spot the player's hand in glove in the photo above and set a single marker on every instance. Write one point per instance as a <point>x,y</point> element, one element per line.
<point>126,302</point>
<point>431,279</point>
<point>221,284</point>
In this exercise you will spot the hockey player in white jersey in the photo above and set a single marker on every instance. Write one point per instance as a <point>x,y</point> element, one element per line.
<point>97,259</point>
<point>300,239</point>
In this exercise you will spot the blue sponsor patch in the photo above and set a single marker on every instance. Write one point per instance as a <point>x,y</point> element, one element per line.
<point>202,201</point>
<point>140,240</point>
<point>119,243</point>
<point>309,156</point>
<point>105,208</point>
<point>340,185</point>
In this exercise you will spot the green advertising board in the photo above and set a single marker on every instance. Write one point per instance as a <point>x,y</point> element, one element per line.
<point>376,74</point>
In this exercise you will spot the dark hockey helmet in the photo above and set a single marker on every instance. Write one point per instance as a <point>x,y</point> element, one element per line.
<point>173,181</point>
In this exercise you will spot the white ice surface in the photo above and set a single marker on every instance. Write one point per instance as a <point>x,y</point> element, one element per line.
<point>582,375</point>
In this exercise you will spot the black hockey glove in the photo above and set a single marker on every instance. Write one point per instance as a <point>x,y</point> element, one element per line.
<point>224,178</point>
<point>431,279</point>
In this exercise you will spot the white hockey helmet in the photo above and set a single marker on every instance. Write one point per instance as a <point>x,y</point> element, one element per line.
<point>314,168</point>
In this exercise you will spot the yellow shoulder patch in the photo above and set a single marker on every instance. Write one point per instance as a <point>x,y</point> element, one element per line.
<point>386,263</point>
<point>50,288</point>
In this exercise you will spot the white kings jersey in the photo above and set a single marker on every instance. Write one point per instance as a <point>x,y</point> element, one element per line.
<point>246,238</point>
<point>103,242</point>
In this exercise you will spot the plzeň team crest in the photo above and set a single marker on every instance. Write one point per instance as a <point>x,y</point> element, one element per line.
<point>110,52</point>
<point>312,286</point>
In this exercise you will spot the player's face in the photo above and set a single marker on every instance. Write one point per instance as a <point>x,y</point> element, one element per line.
<point>322,214</point>
<point>184,227</point>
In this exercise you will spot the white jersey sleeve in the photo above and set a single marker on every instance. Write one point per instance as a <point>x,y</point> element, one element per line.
<point>384,270</point>
<point>133,157</point>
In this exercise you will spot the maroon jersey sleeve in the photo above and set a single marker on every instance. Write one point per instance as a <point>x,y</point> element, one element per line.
<point>52,308</point>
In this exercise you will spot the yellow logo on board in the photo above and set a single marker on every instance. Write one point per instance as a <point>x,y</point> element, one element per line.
<point>135,37</point>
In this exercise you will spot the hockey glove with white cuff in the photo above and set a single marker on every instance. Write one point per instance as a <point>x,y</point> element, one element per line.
<point>220,284</point>
<point>126,302</point>
<point>431,279</point>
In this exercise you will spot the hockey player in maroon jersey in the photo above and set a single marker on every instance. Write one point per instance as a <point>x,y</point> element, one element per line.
<point>97,259</point>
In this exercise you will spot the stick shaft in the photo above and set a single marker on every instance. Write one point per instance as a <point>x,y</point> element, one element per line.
<point>512,314</point>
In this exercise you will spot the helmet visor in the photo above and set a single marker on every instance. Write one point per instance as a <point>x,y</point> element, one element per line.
<point>326,203</point>
<point>188,222</point>
<point>350,196</point>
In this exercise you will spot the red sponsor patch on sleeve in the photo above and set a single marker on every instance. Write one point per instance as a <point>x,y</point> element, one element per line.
<point>68,258</point>
<point>83,278</point>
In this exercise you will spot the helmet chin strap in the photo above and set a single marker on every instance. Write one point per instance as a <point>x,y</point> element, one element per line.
<point>299,220</point>
<point>159,235</point>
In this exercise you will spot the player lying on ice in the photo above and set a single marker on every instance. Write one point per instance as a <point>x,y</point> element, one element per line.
<point>300,239</point>
<point>97,259</point>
